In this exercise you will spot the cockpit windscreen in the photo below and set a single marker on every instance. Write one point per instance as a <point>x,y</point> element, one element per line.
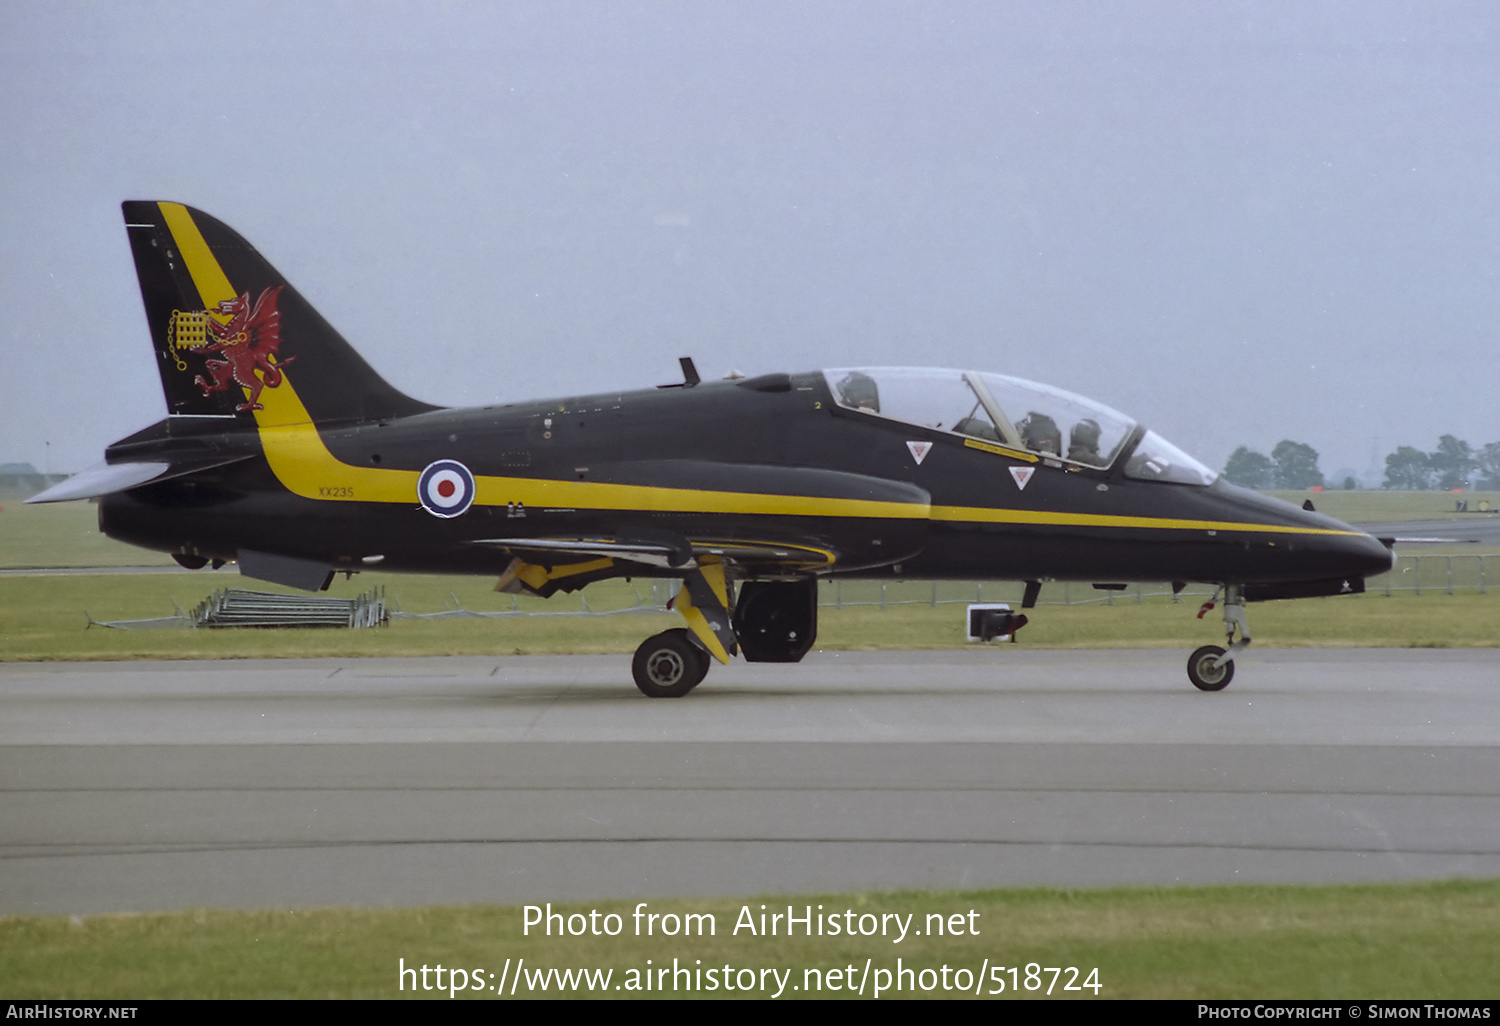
<point>1156,459</point>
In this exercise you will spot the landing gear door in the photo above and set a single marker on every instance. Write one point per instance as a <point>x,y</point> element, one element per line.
<point>776,621</point>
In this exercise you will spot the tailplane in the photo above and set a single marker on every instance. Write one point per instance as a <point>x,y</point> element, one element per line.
<point>234,339</point>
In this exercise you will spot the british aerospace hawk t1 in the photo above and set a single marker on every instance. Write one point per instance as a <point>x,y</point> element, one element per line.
<point>284,451</point>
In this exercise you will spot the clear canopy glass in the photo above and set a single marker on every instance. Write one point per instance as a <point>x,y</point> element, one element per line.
<point>942,399</point>
<point>1057,423</point>
<point>1014,412</point>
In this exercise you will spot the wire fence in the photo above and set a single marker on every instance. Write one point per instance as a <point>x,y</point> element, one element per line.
<point>1438,574</point>
<point>1419,575</point>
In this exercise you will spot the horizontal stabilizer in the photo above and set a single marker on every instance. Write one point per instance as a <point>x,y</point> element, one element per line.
<point>106,478</point>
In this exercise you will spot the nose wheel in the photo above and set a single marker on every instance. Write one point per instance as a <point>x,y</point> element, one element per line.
<point>1205,670</point>
<point>1211,668</point>
<point>669,665</point>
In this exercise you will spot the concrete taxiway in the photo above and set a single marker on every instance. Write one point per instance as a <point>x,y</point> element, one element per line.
<point>1476,529</point>
<point>297,783</point>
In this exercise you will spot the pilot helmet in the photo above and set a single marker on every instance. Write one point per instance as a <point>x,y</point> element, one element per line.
<point>858,390</point>
<point>1085,435</point>
<point>1039,432</point>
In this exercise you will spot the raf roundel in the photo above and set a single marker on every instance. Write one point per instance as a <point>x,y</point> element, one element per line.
<point>446,488</point>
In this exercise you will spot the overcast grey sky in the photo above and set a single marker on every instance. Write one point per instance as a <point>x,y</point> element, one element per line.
<point>1237,222</point>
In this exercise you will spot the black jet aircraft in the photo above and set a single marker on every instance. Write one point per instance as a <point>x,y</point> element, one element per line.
<point>284,451</point>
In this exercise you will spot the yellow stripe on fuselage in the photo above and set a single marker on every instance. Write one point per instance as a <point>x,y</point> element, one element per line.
<point>304,466</point>
<point>1051,518</point>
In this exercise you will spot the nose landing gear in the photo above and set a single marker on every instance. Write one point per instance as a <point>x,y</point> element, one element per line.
<point>1211,668</point>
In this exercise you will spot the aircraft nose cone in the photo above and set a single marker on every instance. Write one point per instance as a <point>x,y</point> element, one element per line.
<point>1367,555</point>
<point>1390,552</point>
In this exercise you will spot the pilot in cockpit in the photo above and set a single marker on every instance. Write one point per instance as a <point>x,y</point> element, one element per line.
<point>1040,433</point>
<point>1083,443</point>
<point>859,391</point>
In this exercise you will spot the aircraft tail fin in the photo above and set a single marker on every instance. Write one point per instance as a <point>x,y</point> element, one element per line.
<point>234,339</point>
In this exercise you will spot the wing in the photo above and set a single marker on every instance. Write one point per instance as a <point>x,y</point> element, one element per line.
<point>545,566</point>
<point>766,522</point>
<point>756,557</point>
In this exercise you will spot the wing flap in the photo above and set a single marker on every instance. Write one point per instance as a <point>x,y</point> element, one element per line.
<point>537,549</point>
<point>774,556</point>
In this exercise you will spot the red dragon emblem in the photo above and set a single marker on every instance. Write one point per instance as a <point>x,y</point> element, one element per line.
<point>248,342</point>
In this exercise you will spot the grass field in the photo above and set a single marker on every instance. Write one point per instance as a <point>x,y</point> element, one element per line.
<point>43,618</point>
<point>1369,507</point>
<point>1415,941</point>
<point>63,534</point>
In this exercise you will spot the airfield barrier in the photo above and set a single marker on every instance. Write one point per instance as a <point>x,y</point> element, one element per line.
<point>234,607</point>
<point>1421,575</point>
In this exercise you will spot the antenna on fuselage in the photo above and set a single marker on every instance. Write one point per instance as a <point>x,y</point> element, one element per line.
<point>689,374</point>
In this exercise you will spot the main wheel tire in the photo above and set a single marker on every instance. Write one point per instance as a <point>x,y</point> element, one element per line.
<point>1204,674</point>
<point>669,665</point>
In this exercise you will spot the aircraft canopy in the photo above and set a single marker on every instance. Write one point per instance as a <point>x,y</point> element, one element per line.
<point>1014,412</point>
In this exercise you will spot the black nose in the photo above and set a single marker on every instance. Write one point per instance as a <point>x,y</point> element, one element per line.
<point>1368,555</point>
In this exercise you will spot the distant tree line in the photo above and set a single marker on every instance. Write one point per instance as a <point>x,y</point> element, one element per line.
<point>1453,464</point>
<point>1290,465</point>
<point>1294,465</point>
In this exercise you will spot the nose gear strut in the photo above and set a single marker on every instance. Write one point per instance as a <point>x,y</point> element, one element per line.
<point>1211,668</point>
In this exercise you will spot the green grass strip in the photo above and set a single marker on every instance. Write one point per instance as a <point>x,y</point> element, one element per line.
<point>1400,941</point>
<point>43,618</point>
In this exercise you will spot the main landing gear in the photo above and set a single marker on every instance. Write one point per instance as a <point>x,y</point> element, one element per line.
<point>670,664</point>
<point>1211,668</point>
<point>772,622</point>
